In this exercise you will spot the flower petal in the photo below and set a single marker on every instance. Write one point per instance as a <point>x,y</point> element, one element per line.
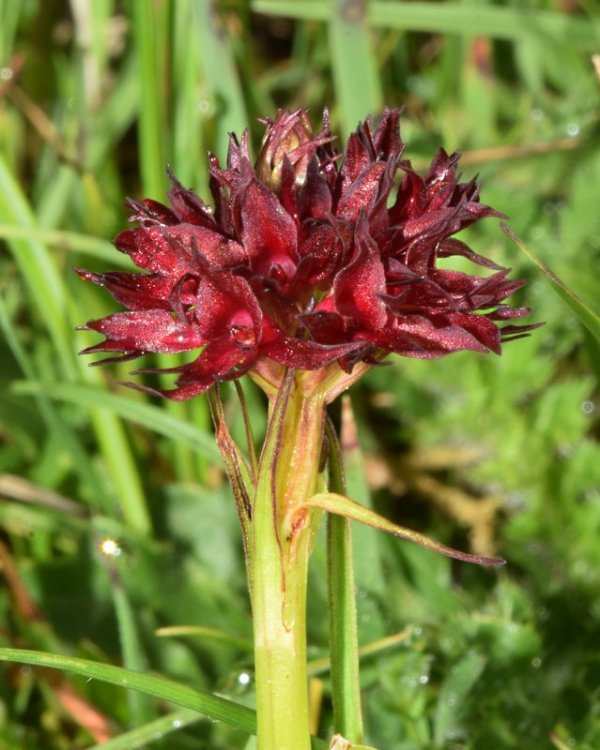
<point>171,250</point>
<point>434,336</point>
<point>137,291</point>
<point>226,305</point>
<point>266,231</point>
<point>358,286</point>
<point>303,354</point>
<point>147,331</point>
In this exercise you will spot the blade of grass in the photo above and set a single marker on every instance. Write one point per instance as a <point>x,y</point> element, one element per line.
<point>141,708</point>
<point>107,127</point>
<point>453,18</point>
<point>190,105</point>
<point>85,468</point>
<point>585,314</point>
<point>354,70</point>
<point>367,553</point>
<point>51,296</point>
<point>149,22</point>
<point>69,242</point>
<point>37,269</point>
<point>343,628</point>
<point>320,666</point>
<point>198,631</point>
<point>220,73</point>
<point>212,706</point>
<point>154,730</point>
<point>147,415</point>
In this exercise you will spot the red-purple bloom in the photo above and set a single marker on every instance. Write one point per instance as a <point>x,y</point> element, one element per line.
<point>310,259</point>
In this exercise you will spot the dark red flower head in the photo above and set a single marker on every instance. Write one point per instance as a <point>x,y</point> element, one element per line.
<point>311,259</point>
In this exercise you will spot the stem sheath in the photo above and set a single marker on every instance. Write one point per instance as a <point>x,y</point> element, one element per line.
<point>287,477</point>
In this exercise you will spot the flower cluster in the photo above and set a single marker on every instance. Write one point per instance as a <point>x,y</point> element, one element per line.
<point>311,259</point>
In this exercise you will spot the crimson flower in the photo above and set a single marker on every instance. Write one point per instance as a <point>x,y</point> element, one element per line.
<point>311,259</point>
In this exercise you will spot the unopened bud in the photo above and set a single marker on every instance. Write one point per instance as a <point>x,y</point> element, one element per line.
<point>287,136</point>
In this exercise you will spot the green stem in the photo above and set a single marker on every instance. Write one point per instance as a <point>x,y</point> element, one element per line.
<point>287,477</point>
<point>343,629</point>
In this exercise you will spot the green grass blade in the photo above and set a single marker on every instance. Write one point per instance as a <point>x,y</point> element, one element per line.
<point>212,706</point>
<point>199,631</point>
<point>454,18</point>
<point>190,105</point>
<point>148,23</point>
<point>37,269</point>
<point>68,242</point>
<point>585,314</point>
<point>147,415</point>
<point>154,730</point>
<point>141,708</point>
<point>354,70</point>
<point>343,628</point>
<point>50,295</point>
<point>220,72</point>
<point>367,552</point>
<point>491,21</point>
<point>87,472</point>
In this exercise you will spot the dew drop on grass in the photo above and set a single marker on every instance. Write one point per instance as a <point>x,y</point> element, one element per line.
<point>110,548</point>
<point>177,724</point>
<point>587,407</point>
<point>573,129</point>
<point>244,678</point>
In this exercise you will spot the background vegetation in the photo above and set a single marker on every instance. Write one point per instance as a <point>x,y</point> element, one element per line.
<point>492,454</point>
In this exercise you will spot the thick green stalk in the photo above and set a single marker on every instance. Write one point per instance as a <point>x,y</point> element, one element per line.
<point>287,477</point>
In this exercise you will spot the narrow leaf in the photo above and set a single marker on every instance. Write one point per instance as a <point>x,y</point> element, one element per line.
<point>353,61</point>
<point>585,314</point>
<point>74,242</point>
<point>212,706</point>
<point>367,551</point>
<point>494,21</point>
<point>154,730</point>
<point>343,629</point>
<point>198,631</point>
<point>344,506</point>
<point>141,708</point>
<point>151,417</point>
